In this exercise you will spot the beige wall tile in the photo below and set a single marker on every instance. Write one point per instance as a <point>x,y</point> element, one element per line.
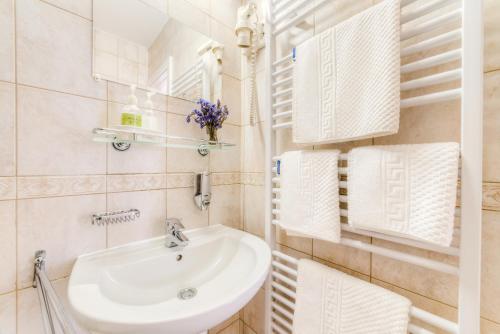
<point>204,5</point>
<point>7,128</point>
<point>50,186</point>
<point>105,65</point>
<point>158,4</point>
<point>426,282</point>
<point>231,96</point>
<point>61,226</point>
<point>253,139</point>
<point>225,206</point>
<point>8,313</point>
<point>253,210</point>
<point>424,303</point>
<point>347,257</point>
<point>227,323</point>
<point>29,320</point>
<point>80,7</point>
<point>293,252</point>
<point>179,106</point>
<point>54,50</point>
<point>7,188</point>
<point>183,160</point>
<point>247,330</point>
<point>227,160</point>
<point>7,51</point>
<point>490,289</point>
<point>224,11</point>
<point>134,182</point>
<point>343,269</point>
<point>54,133</point>
<point>180,204</point>
<point>302,244</point>
<point>234,328</point>
<point>432,123</point>
<point>489,327</point>
<point>139,158</point>
<point>491,35</point>
<point>491,159</point>
<point>232,54</point>
<point>7,247</point>
<point>253,312</point>
<point>153,207</point>
<point>29,315</point>
<point>190,15</point>
<point>491,196</point>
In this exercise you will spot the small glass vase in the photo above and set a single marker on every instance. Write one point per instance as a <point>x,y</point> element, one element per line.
<point>212,134</point>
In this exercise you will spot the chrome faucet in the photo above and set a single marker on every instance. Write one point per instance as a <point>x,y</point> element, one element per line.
<point>174,235</point>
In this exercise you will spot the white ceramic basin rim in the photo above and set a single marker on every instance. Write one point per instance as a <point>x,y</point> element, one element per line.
<point>134,288</point>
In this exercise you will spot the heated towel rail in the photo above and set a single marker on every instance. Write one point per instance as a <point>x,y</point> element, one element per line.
<point>429,28</point>
<point>189,83</point>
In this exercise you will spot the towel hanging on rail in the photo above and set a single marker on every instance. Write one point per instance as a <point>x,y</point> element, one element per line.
<point>309,201</point>
<point>346,80</point>
<point>404,190</point>
<point>331,302</point>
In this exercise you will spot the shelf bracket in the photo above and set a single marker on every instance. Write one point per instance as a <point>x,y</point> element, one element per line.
<point>121,146</point>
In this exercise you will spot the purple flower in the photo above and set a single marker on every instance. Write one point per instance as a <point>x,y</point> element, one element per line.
<point>210,115</point>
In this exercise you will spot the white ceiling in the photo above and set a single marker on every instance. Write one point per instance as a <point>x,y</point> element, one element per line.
<point>129,19</point>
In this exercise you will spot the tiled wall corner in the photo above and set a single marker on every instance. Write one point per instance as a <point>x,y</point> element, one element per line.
<point>53,176</point>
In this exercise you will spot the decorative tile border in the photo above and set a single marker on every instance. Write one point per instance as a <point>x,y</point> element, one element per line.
<point>7,188</point>
<point>253,179</point>
<point>185,180</point>
<point>136,182</point>
<point>225,178</point>
<point>51,186</point>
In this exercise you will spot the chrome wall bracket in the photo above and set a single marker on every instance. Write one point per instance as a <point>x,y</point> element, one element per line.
<point>121,146</point>
<point>203,150</point>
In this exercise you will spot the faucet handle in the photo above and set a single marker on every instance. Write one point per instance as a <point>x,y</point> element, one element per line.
<point>174,224</point>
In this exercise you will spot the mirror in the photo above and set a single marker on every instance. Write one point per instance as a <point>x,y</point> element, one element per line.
<point>137,43</point>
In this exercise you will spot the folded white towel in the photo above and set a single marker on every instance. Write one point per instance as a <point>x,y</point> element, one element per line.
<point>331,302</point>
<point>404,190</point>
<point>346,80</point>
<point>309,197</point>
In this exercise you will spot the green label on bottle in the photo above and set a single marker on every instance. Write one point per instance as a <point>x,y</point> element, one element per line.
<point>131,119</point>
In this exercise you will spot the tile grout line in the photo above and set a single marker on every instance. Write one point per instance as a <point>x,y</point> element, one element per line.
<point>16,106</point>
<point>66,10</point>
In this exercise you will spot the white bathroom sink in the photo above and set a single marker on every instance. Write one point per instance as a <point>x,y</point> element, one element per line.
<point>135,288</point>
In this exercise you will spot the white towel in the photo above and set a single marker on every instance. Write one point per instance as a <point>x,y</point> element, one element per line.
<point>404,190</point>
<point>331,302</point>
<point>346,80</point>
<point>309,197</point>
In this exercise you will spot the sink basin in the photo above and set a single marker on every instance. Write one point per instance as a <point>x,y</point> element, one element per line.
<point>146,288</point>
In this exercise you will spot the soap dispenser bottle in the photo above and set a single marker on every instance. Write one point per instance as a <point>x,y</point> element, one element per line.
<point>131,115</point>
<point>149,119</point>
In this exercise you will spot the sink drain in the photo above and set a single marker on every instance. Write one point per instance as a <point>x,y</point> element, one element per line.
<point>187,293</point>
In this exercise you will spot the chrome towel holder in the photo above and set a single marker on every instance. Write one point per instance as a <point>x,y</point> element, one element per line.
<point>114,217</point>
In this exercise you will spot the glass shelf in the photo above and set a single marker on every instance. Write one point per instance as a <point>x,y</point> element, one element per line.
<point>123,137</point>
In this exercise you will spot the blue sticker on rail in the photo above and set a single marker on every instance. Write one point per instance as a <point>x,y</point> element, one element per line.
<point>278,167</point>
<point>294,54</point>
